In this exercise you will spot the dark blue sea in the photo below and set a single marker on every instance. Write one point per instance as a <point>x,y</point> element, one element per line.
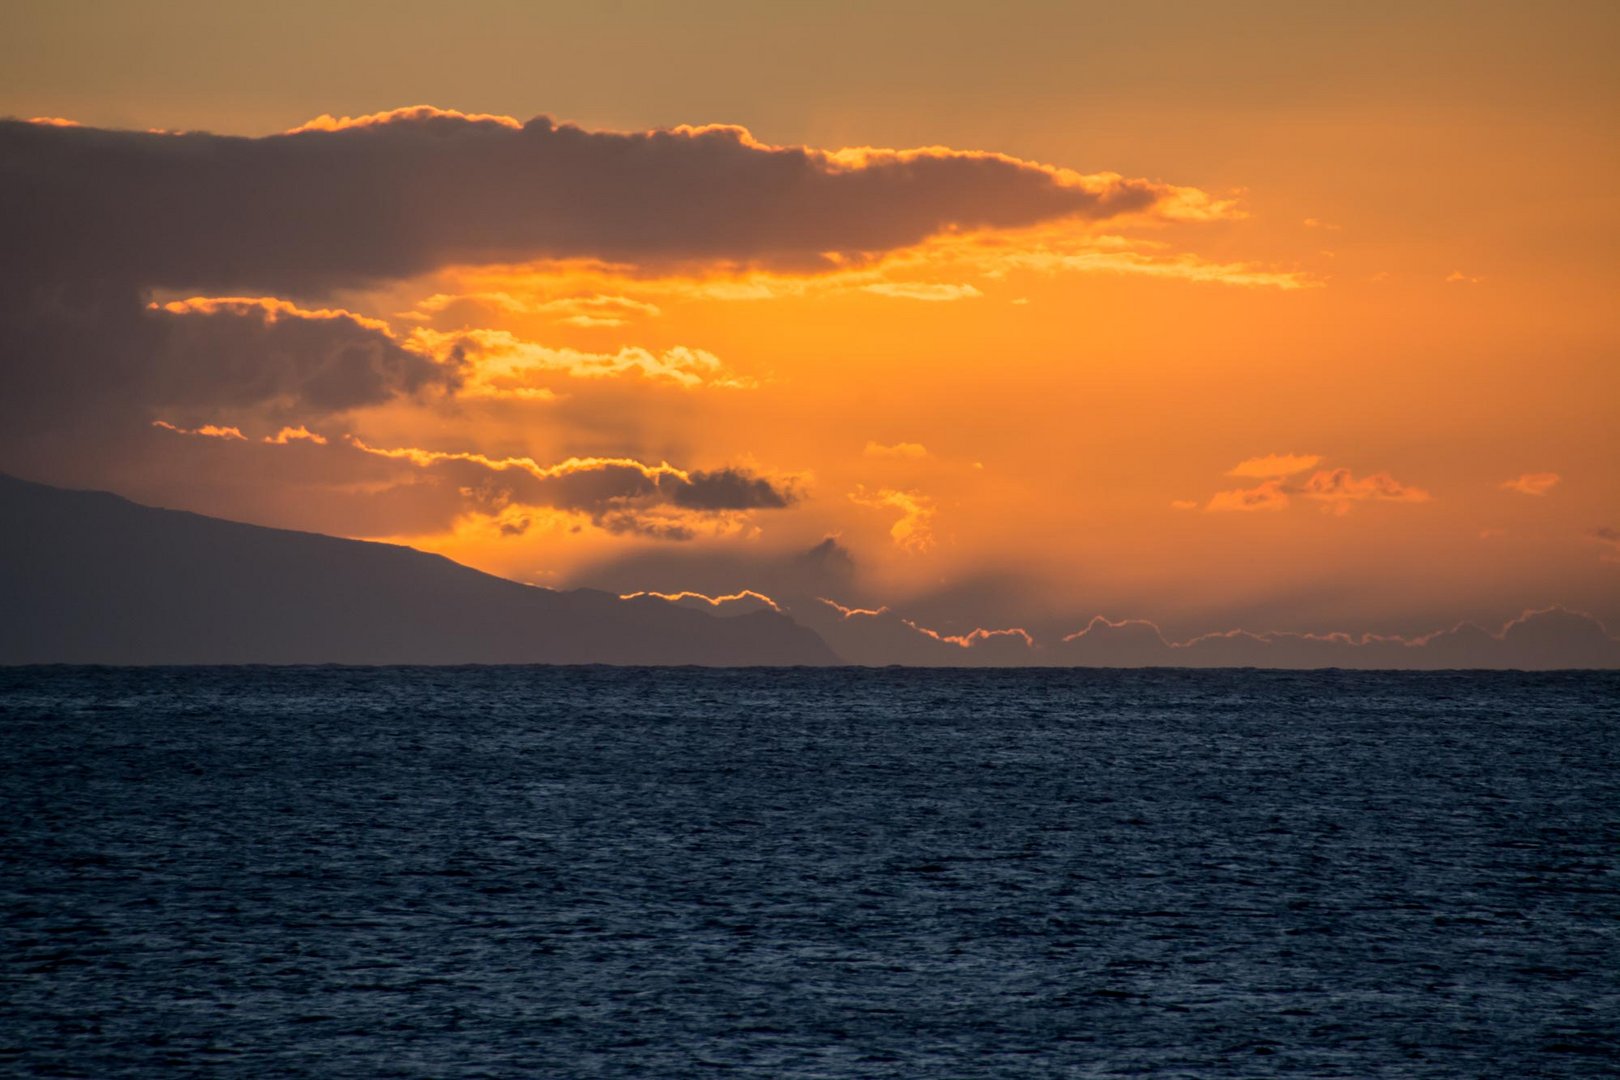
<point>596,872</point>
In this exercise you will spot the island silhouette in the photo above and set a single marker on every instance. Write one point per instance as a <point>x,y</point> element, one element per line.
<point>88,577</point>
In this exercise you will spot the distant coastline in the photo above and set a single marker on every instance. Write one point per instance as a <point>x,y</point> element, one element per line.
<point>91,578</point>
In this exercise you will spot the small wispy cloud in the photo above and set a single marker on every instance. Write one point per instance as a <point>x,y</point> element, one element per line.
<point>1531,483</point>
<point>904,451</point>
<point>207,431</point>
<point>1274,465</point>
<point>922,290</point>
<point>1337,489</point>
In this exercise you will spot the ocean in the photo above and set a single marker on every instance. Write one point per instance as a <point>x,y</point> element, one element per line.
<point>600,872</point>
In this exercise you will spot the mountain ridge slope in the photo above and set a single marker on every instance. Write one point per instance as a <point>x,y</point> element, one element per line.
<point>92,577</point>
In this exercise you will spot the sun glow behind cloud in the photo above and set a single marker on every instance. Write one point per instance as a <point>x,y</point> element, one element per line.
<point>966,363</point>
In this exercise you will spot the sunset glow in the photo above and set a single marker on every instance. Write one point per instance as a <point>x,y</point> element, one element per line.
<point>1338,357</point>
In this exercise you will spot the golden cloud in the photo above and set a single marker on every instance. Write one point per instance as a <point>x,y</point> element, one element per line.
<point>207,431</point>
<point>1337,488</point>
<point>498,363</point>
<point>913,531</point>
<point>922,290</point>
<point>904,451</point>
<point>1531,483</point>
<point>1268,495</point>
<point>408,114</point>
<point>295,434</point>
<point>1274,465</point>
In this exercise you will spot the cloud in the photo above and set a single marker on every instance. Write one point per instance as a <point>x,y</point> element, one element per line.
<point>106,368</point>
<point>1050,252</point>
<point>1338,488</point>
<point>733,489</point>
<point>261,352</point>
<point>433,487</point>
<point>294,434</point>
<point>573,466</point>
<point>1457,277</point>
<point>1531,483</point>
<point>665,523</point>
<point>598,312</point>
<point>1610,539</point>
<point>93,366</point>
<point>235,352</point>
<point>623,495</point>
<point>1267,495</point>
<point>499,364</point>
<point>922,290</point>
<point>586,482</point>
<point>210,431</point>
<point>742,600</point>
<point>422,114</point>
<point>589,310</point>
<point>904,451</point>
<point>913,531</point>
<point>1273,465</point>
<point>394,195</point>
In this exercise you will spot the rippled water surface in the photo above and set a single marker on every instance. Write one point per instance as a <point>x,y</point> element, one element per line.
<point>668,873</point>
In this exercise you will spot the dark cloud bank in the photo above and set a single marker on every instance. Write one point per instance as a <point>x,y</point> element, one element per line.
<point>91,221</point>
<point>308,210</point>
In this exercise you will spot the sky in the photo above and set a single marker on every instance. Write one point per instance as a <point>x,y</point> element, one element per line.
<point>1289,318</point>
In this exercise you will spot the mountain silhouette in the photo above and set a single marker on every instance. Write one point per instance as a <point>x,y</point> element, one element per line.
<point>90,577</point>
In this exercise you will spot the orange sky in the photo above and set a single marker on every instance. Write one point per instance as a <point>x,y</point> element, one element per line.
<point>1283,321</point>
